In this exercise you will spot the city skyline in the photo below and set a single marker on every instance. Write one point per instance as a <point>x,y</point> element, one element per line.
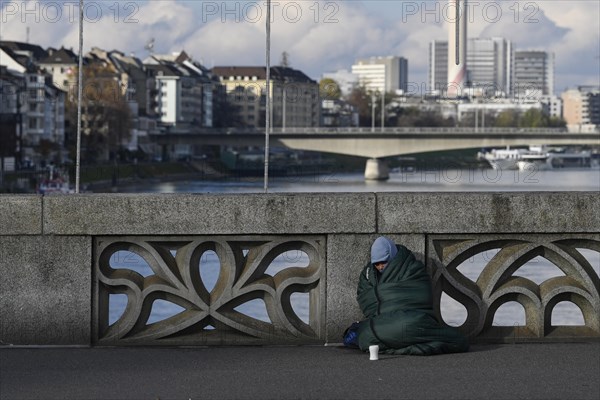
<point>319,36</point>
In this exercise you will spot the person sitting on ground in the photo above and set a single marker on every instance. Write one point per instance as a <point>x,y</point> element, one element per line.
<point>394,294</point>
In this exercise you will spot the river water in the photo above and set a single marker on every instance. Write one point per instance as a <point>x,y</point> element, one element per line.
<point>435,180</point>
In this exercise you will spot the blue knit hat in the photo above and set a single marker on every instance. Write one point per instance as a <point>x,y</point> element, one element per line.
<point>383,250</point>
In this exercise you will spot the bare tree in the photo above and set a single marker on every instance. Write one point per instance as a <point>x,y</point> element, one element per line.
<point>106,117</point>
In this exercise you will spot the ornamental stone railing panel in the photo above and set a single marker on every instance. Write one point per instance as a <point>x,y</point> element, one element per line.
<point>59,283</point>
<point>209,316</point>
<point>497,283</point>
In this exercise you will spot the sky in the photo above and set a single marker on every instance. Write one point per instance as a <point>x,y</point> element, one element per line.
<point>319,36</point>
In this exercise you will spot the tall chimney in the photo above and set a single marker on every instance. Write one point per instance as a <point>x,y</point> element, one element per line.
<point>457,47</point>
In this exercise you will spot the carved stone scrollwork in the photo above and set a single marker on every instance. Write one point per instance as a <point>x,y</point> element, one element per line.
<point>496,284</point>
<point>209,317</point>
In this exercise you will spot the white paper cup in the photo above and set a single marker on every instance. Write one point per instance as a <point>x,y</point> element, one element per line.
<point>374,352</point>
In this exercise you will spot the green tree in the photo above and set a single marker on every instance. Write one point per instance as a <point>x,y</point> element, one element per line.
<point>533,118</point>
<point>329,89</point>
<point>507,119</point>
<point>556,122</point>
<point>413,116</point>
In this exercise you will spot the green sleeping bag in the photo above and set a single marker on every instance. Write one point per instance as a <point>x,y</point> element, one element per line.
<point>397,304</point>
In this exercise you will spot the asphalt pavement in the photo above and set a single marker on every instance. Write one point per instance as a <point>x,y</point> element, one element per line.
<point>509,371</point>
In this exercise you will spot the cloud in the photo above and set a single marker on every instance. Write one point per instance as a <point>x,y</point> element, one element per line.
<point>125,26</point>
<point>314,36</point>
<point>320,36</point>
<point>534,31</point>
<point>324,40</point>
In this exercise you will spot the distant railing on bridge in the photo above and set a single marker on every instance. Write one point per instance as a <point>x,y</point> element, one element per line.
<point>377,131</point>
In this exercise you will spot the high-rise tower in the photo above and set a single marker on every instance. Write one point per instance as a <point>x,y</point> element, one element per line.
<point>489,66</point>
<point>533,74</point>
<point>457,47</point>
<point>383,74</point>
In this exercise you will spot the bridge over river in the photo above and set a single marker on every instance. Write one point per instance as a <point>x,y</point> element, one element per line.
<point>381,142</point>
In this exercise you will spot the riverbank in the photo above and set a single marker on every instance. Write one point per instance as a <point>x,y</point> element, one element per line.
<point>111,177</point>
<point>114,179</point>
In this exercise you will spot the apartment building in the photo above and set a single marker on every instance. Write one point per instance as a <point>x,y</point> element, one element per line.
<point>183,91</point>
<point>28,93</point>
<point>581,108</point>
<point>295,97</point>
<point>62,64</point>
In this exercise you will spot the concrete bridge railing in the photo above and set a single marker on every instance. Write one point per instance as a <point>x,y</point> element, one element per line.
<point>380,143</point>
<point>58,269</point>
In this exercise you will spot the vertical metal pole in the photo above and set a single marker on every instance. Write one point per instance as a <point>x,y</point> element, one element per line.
<point>372,111</point>
<point>268,90</point>
<point>284,105</point>
<point>20,92</point>
<point>382,110</point>
<point>79,97</point>
<point>483,119</point>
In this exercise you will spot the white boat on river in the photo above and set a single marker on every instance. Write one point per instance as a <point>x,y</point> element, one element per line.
<point>538,157</point>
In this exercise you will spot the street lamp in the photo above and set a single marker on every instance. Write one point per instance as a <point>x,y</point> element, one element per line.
<point>382,110</point>
<point>374,94</point>
<point>268,94</point>
<point>372,111</point>
<point>20,92</point>
<point>284,100</point>
<point>79,98</point>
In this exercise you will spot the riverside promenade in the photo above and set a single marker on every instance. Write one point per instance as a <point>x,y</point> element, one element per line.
<point>503,371</point>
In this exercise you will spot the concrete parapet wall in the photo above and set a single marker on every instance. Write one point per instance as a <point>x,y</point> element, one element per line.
<point>20,215</point>
<point>45,287</point>
<point>142,214</point>
<point>47,259</point>
<point>520,212</point>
